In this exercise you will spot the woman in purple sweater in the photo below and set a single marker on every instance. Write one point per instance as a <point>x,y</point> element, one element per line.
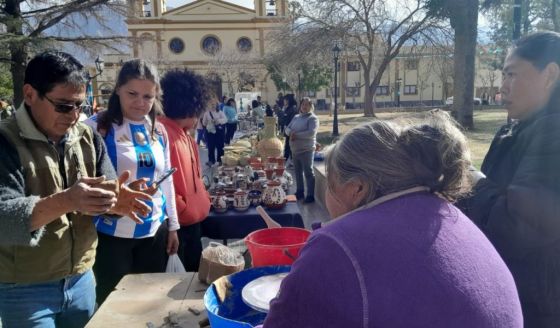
<point>398,254</point>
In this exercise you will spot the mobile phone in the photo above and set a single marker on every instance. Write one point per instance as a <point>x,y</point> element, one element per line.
<point>165,175</point>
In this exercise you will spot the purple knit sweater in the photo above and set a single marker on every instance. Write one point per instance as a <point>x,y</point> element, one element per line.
<point>414,261</point>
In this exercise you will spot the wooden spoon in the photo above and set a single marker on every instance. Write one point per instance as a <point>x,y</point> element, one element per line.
<point>270,223</point>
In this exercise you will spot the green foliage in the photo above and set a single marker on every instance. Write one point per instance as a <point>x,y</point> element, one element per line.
<point>536,15</point>
<point>315,78</point>
<point>6,84</point>
<point>312,78</point>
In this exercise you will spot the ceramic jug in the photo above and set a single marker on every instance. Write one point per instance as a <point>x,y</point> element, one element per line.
<point>255,197</point>
<point>274,196</point>
<point>241,200</point>
<point>220,202</point>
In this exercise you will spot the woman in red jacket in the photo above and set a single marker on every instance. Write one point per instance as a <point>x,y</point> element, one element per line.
<point>185,97</point>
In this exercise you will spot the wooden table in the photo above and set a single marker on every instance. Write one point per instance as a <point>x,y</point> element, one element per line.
<point>140,299</point>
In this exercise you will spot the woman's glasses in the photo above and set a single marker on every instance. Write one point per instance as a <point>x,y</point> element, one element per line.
<point>67,108</point>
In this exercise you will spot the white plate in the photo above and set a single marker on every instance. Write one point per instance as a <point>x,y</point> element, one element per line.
<point>259,292</point>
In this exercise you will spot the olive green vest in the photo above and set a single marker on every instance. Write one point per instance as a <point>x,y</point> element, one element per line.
<point>68,243</point>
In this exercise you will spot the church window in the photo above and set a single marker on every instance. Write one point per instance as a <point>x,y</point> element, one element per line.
<point>211,45</point>
<point>244,44</point>
<point>176,45</point>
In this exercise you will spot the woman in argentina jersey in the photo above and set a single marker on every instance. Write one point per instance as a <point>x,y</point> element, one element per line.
<point>135,142</point>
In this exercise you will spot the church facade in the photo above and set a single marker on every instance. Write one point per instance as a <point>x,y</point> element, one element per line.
<point>215,38</point>
<point>227,43</point>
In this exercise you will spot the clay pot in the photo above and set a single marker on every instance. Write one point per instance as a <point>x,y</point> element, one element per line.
<point>255,197</point>
<point>274,197</point>
<point>270,145</point>
<point>281,161</point>
<point>279,172</point>
<point>220,202</point>
<point>241,200</point>
<point>269,172</point>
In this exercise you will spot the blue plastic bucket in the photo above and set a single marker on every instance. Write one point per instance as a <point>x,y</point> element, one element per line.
<point>233,312</point>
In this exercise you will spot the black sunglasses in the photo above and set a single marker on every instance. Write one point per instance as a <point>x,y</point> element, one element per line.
<point>67,108</point>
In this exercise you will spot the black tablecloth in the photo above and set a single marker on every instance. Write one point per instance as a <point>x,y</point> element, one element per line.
<point>237,225</point>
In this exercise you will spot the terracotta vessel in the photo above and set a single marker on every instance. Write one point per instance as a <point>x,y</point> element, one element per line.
<point>270,145</point>
<point>220,202</point>
<point>241,200</point>
<point>274,197</point>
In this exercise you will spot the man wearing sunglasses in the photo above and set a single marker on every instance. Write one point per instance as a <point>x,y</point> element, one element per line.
<point>54,175</point>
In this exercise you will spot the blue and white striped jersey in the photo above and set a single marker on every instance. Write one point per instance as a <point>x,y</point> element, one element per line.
<point>130,147</point>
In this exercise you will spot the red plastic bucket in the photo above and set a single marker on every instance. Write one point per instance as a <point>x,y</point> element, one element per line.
<point>276,246</point>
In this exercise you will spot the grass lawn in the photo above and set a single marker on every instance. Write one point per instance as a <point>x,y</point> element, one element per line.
<point>486,123</point>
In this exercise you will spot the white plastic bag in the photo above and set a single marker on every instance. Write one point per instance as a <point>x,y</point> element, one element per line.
<point>174,265</point>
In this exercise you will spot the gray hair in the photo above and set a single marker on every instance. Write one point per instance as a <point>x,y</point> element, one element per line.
<point>390,156</point>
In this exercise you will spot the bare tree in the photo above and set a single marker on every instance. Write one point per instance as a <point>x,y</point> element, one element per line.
<point>30,26</point>
<point>236,70</point>
<point>299,57</point>
<point>444,68</point>
<point>372,30</point>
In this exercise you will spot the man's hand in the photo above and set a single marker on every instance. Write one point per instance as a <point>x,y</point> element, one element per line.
<point>172,242</point>
<point>130,202</point>
<point>85,198</point>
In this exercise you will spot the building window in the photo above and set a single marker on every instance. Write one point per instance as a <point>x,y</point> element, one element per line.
<point>411,64</point>
<point>353,91</point>
<point>310,94</point>
<point>353,66</point>
<point>106,89</point>
<point>176,45</point>
<point>211,45</point>
<point>410,89</point>
<point>382,90</point>
<point>244,44</point>
<point>330,92</point>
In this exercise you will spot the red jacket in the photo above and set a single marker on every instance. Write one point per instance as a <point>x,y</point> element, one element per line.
<point>193,201</point>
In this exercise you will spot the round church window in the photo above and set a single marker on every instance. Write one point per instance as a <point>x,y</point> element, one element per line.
<point>211,45</point>
<point>244,44</point>
<point>176,45</point>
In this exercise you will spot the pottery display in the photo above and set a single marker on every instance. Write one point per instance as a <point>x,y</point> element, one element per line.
<point>241,181</point>
<point>255,197</point>
<point>279,171</point>
<point>220,202</point>
<point>241,200</point>
<point>274,197</point>
<point>269,173</point>
<point>270,145</point>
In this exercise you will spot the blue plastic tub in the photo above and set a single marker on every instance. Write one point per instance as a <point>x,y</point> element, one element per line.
<point>233,312</point>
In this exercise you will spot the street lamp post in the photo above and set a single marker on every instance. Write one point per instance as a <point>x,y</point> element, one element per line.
<point>432,94</point>
<point>336,53</point>
<point>99,66</point>
<point>299,84</point>
<point>398,92</point>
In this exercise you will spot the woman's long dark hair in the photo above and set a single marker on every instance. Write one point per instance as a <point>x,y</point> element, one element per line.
<point>132,69</point>
<point>540,49</point>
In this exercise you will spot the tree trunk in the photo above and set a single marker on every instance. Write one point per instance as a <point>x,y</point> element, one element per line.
<point>465,25</point>
<point>369,106</point>
<point>526,21</point>
<point>18,54</point>
<point>554,15</point>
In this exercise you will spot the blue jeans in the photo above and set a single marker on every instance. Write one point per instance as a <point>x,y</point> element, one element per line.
<point>69,302</point>
<point>303,165</point>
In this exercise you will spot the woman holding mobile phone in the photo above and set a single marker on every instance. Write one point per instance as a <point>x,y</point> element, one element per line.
<point>138,143</point>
